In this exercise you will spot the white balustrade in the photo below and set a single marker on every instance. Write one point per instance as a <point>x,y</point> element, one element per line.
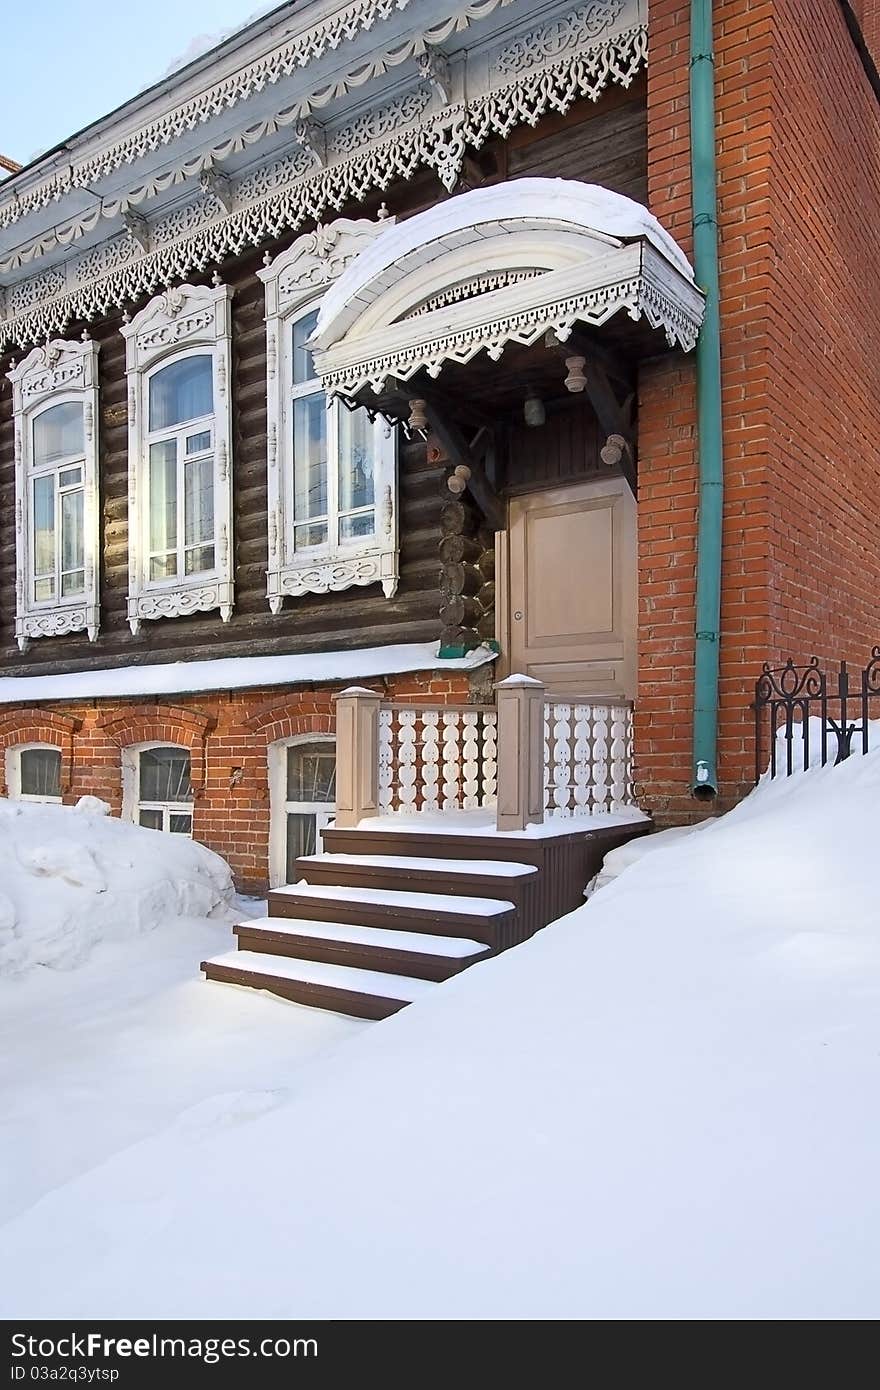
<point>437,757</point>
<point>587,758</point>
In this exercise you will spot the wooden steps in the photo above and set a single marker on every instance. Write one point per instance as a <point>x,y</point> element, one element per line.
<point>360,993</point>
<point>413,954</point>
<point>381,918</point>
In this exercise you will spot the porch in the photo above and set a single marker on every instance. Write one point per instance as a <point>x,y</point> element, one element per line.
<point>460,831</point>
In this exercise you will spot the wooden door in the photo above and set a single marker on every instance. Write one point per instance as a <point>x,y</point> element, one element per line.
<point>571,588</point>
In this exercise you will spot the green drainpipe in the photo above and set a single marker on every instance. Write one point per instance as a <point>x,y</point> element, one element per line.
<point>711,469</point>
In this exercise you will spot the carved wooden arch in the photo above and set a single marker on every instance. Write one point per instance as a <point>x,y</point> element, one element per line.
<point>171,724</point>
<point>21,726</point>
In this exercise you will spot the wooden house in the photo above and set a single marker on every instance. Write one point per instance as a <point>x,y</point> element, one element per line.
<point>348,467</point>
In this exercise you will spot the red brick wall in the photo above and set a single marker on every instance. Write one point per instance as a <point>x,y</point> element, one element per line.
<point>228,735</point>
<point>867,12</point>
<point>799,202</point>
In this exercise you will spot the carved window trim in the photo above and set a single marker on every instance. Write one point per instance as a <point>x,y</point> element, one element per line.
<point>173,326</point>
<point>294,283</point>
<point>52,375</point>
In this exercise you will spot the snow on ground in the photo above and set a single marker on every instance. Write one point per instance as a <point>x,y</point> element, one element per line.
<point>108,1033</point>
<point>662,1106</point>
<point>73,876</point>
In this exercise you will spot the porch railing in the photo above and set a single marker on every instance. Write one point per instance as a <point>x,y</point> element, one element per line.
<point>806,716</point>
<point>437,758</point>
<point>525,758</point>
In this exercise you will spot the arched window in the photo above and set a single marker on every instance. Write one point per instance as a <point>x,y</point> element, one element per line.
<point>55,400</point>
<point>33,772</point>
<point>179,455</point>
<point>157,788</point>
<point>302,793</point>
<point>331,473</point>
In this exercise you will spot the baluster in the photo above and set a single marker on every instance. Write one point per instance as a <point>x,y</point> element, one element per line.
<point>581,760</point>
<point>548,755</point>
<point>451,762</point>
<point>618,757</point>
<point>407,759</point>
<point>430,760</point>
<point>630,745</point>
<point>470,760</point>
<point>386,761</point>
<point>561,761</point>
<point>490,759</point>
<point>601,786</point>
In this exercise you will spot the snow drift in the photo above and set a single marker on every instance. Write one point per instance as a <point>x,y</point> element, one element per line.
<point>73,876</point>
<point>661,1106</point>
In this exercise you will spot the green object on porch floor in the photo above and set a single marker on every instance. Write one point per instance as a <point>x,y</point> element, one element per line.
<point>711,460</point>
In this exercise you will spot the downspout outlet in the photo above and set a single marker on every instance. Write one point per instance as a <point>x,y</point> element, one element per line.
<point>705,786</point>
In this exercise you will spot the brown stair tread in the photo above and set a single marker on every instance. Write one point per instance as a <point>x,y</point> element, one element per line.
<point>350,933</point>
<point>344,978</point>
<point>435,904</point>
<point>486,868</point>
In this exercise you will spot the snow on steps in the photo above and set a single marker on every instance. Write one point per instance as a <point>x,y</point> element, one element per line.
<point>413,954</point>
<point>482,878</point>
<point>361,993</point>
<point>483,919</point>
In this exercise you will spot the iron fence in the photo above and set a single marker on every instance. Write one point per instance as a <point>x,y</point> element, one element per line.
<point>806,716</point>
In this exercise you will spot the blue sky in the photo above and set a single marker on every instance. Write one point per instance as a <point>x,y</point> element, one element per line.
<point>65,63</point>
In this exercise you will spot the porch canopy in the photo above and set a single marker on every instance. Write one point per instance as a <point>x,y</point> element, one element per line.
<point>506,264</point>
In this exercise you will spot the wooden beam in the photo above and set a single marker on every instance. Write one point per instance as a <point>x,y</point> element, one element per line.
<point>459,452</point>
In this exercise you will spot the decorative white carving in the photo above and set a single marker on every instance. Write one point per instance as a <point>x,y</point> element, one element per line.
<point>219,185</point>
<point>289,191</point>
<point>407,791</point>
<point>137,227</point>
<point>432,759</point>
<point>587,758</point>
<point>292,280</point>
<point>189,316</point>
<point>558,36</point>
<point>386,758</point>
<point>376,125</point>
<point>434,69</point>
<point>66,371</point>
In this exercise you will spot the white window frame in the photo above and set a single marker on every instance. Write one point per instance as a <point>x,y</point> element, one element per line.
<point>190,320</point>
<point>280,807</point>
<point>13,772</point>
<point>132,805</point>
<point>294,282</point>
<point>52,375</point>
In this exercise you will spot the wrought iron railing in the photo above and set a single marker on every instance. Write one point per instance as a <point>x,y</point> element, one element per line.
<point>806,716</point>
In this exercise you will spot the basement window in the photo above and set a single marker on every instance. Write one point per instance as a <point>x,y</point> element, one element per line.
<point>165,795</point>
<point>34,773</point>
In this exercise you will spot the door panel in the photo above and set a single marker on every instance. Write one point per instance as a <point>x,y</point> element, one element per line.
<point>572,588</point>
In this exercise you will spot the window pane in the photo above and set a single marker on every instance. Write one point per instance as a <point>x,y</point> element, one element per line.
<point>182,391</point>
<point>198,500</point>
<point>311,773</point>
<point>310,456</point>
<point>304,536</point>
<point>301,839</point>
<point>163,498</point>
<point>44,589</point>
<point>199,560</point>
<point>44,528</point>
<point>40,772</point>
<point>198,443</point>
<point>356,459</point>
<point>350,527</point>
<point>164,775</point>
<point>58,432</point>
<point>72,547</point>
<point>150,820</point>
<point>70,477</point>
<point>303,366</point>
<point>179,823</point>
<point>73,583</point>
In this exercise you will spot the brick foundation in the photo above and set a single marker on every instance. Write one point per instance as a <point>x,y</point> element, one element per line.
<point>228,735</point>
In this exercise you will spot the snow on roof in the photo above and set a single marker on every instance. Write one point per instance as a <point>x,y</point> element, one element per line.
<point>587,206</point>
<point>237,673</point>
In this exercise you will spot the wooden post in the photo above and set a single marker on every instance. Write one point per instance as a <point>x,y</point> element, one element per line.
<point>357,755</point>
<point>520,752</point>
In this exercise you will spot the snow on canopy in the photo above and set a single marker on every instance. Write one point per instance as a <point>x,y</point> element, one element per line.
<point>661,1106</point>
<point>587,207</point>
